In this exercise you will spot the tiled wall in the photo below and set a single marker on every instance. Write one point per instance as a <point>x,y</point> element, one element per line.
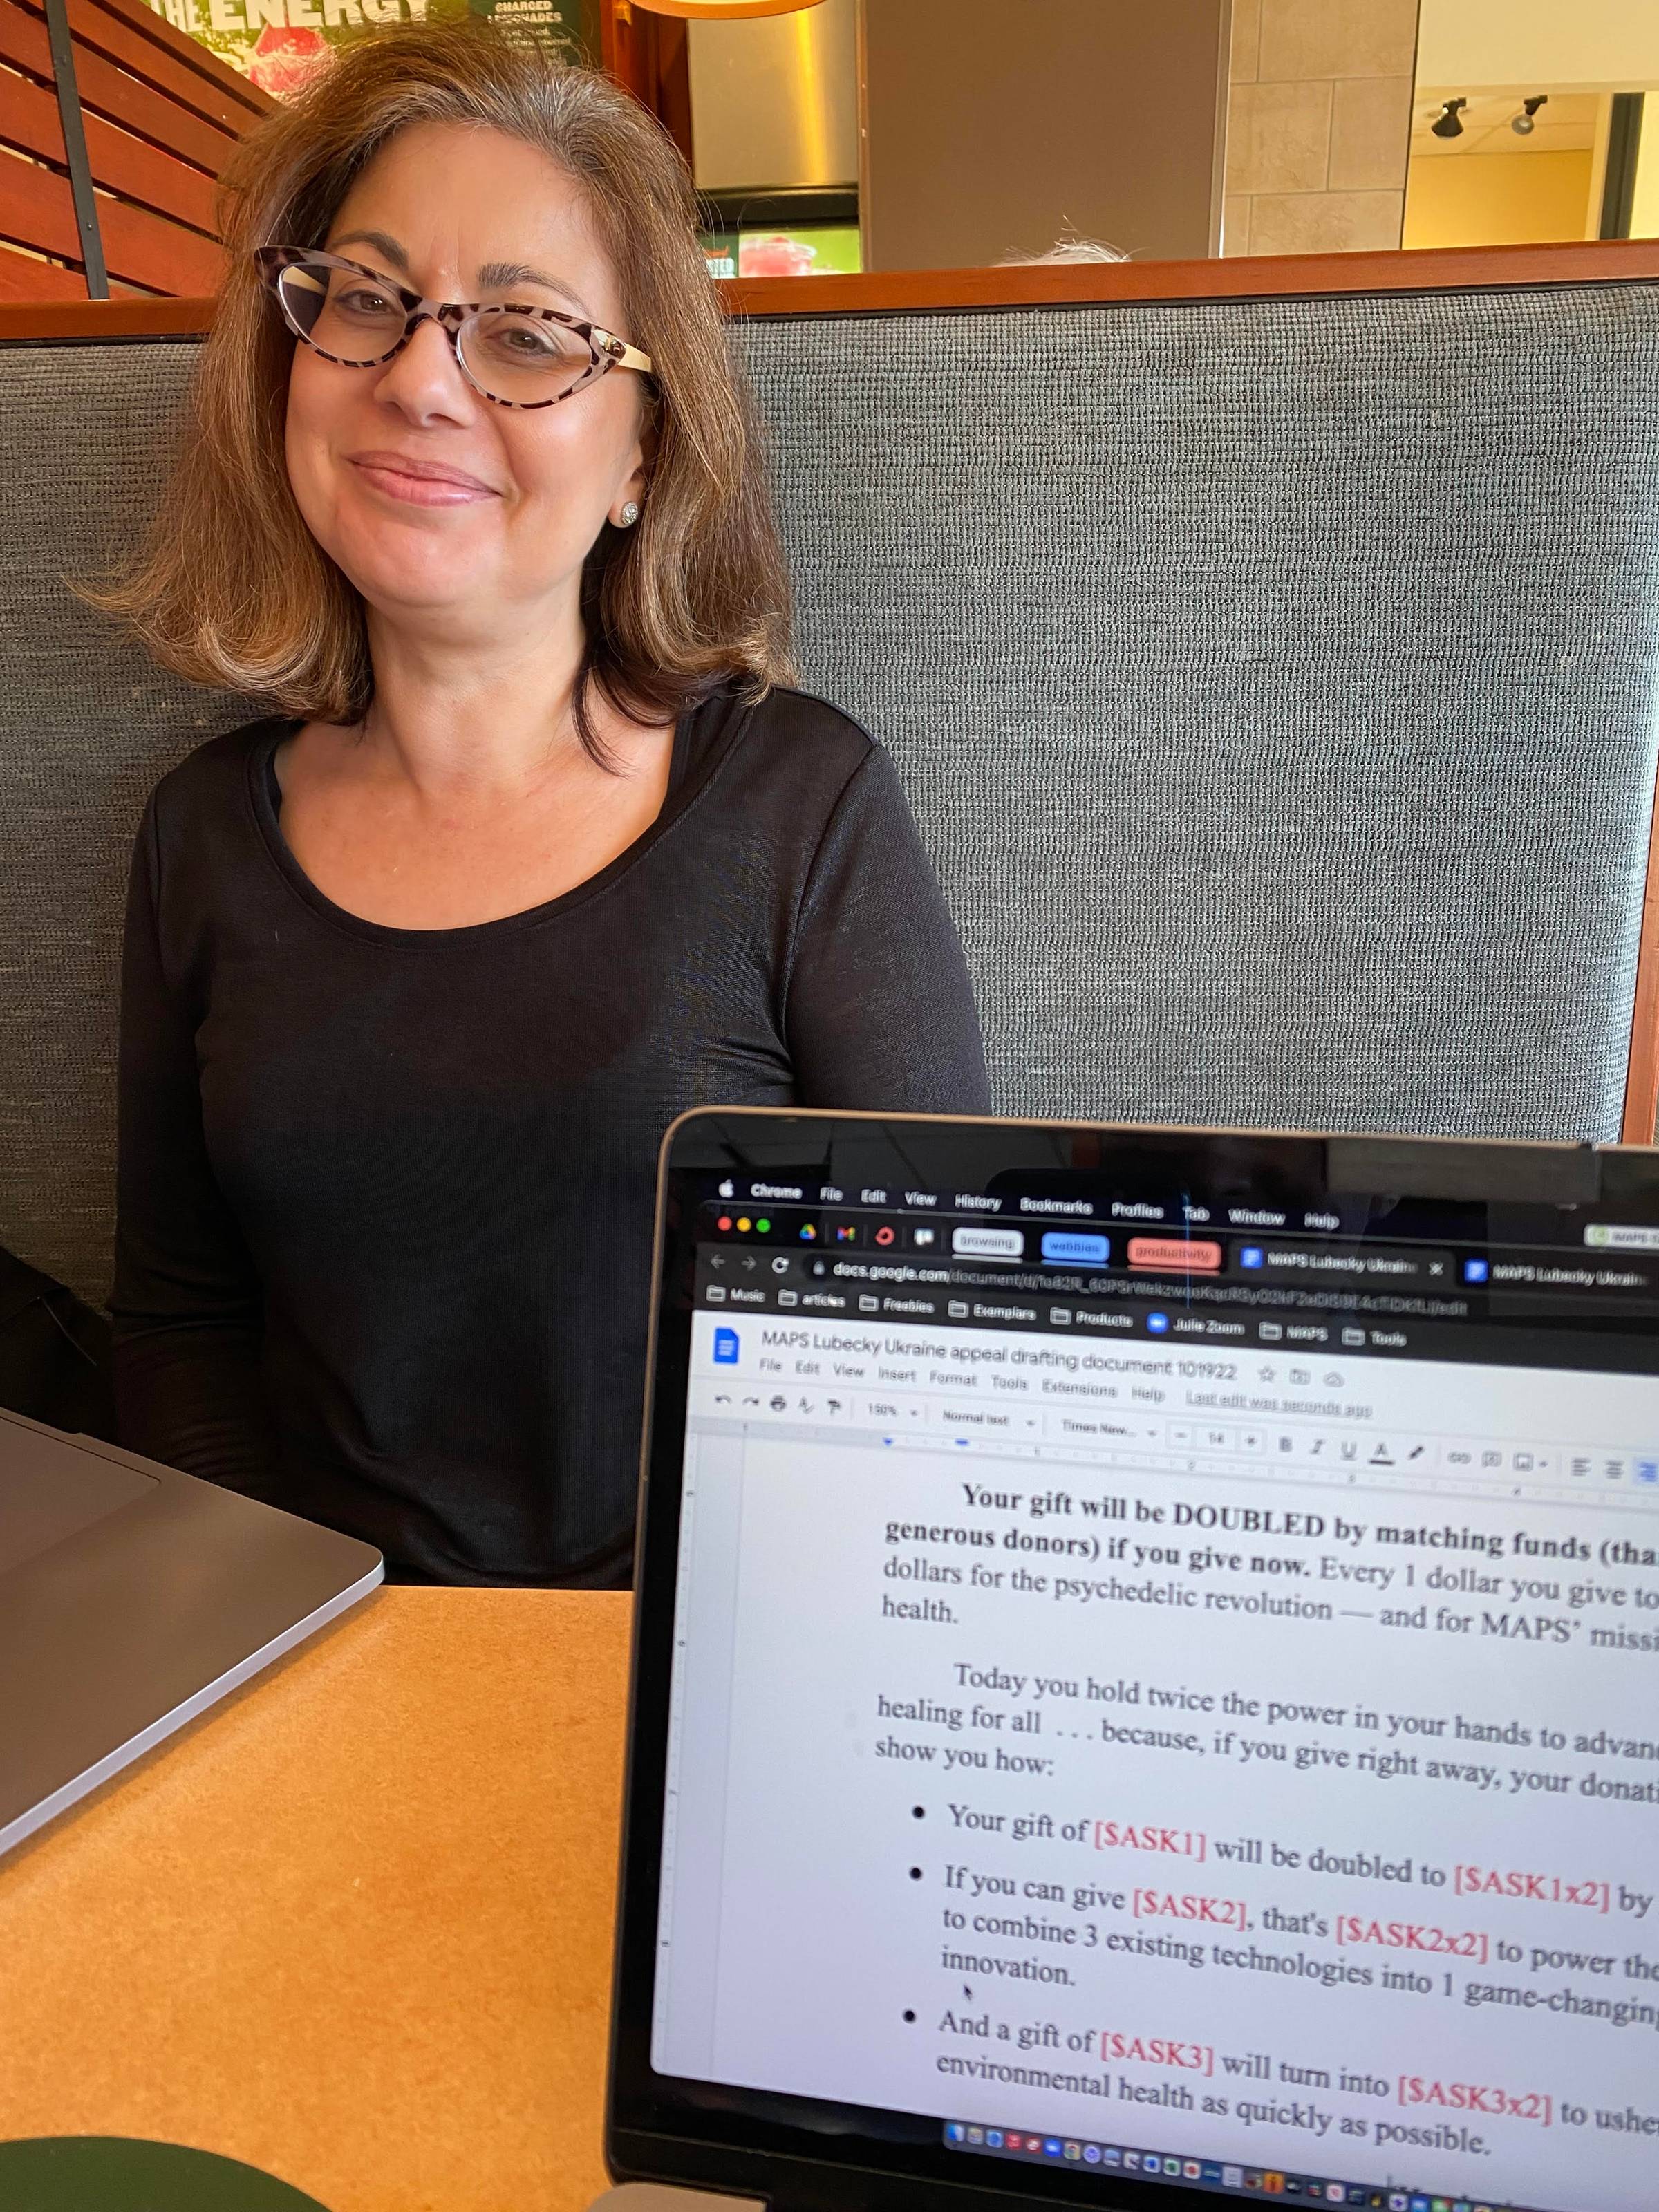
<point>1318,124</point>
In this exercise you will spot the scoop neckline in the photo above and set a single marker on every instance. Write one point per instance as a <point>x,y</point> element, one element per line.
<point>687,779</point>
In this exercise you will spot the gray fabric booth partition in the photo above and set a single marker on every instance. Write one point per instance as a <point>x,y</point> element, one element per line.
<point>1275,681</point>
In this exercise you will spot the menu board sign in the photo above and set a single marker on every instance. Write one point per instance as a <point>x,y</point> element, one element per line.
<point>282,44</point>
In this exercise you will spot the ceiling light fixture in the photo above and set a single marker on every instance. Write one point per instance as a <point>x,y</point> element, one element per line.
<point>1522,123</point>
<point>723,11</point>
<point>1449,123</point>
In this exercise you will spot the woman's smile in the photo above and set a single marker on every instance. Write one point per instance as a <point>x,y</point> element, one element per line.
<point>420,483</point>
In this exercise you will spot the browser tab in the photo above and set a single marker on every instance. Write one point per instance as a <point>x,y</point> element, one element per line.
<point>976,1243</point>
<point>1274,1260</point>
<point>1184,1254</point>
<point>1074,1247</point>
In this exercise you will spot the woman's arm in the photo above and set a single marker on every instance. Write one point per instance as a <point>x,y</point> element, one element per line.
<point>187,1303</point>
<point>879,1013</point>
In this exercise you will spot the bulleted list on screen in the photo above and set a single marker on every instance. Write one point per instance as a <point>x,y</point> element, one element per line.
<point>1074,1733</point>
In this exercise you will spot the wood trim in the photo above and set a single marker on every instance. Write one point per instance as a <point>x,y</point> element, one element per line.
<point>76,317</point>
<point>1439,269</point>
<point>1287,277</point>
<point>1641,1082</point>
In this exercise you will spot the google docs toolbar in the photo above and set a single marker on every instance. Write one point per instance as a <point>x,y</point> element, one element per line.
<point>1167,1409</point>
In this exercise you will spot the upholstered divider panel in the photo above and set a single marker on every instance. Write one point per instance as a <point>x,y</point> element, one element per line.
<point>86,725</point>
<point>1277,684</point>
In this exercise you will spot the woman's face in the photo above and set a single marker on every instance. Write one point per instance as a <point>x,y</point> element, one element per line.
<point>438,505</point>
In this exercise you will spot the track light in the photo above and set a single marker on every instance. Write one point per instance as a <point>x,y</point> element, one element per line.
<point>1523,123</point>
<point>1449,123</point>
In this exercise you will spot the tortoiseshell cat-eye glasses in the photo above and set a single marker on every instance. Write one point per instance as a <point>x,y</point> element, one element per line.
<point>515,356</point>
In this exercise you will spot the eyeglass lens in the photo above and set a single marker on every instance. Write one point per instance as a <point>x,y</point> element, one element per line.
<point>510,355</point>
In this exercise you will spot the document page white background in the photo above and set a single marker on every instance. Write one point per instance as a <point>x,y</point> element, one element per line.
<point>1000,1791</point>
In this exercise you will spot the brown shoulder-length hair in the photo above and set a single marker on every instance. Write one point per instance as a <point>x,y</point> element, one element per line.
<point>231,589</point>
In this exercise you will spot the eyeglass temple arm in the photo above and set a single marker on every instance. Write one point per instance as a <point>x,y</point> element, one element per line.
<point>620,354</point>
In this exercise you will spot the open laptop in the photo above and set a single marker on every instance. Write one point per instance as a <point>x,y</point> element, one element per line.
<point>1145,1677</point>
<point>131,1597</point>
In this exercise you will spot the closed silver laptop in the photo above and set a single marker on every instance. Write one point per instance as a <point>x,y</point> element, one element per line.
<point>132,1597</point>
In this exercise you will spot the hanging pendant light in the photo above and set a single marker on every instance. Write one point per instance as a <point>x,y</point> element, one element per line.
<point>724,11</point>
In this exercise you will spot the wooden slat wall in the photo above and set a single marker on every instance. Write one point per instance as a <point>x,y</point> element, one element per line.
<point>161,114</point>
<point>24,281</point>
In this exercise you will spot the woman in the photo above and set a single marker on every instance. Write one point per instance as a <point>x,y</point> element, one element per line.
<point>543,854</point>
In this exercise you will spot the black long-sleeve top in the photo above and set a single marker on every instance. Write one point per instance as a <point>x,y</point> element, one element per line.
<point>386,1196</point>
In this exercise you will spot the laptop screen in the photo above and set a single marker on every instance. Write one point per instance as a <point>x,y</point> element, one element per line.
<point>1162,1694</point>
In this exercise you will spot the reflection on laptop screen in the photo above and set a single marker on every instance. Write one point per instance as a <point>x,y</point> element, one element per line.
<point>1167,1686</point>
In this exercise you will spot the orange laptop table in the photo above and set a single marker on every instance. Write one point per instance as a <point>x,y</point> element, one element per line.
<point>354,1927</point>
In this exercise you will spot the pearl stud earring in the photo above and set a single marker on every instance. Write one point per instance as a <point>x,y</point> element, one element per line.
<point>630,515</point>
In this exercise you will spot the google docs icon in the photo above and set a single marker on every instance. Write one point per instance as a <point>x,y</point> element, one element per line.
<point>726,1347</point>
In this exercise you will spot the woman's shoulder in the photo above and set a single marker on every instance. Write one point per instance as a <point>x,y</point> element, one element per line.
<point>799,743</point>
<point>213,772</point>
<point>792,715</point>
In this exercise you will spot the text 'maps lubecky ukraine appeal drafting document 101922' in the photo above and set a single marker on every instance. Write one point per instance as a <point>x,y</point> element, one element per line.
<point>1202,1737</point>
